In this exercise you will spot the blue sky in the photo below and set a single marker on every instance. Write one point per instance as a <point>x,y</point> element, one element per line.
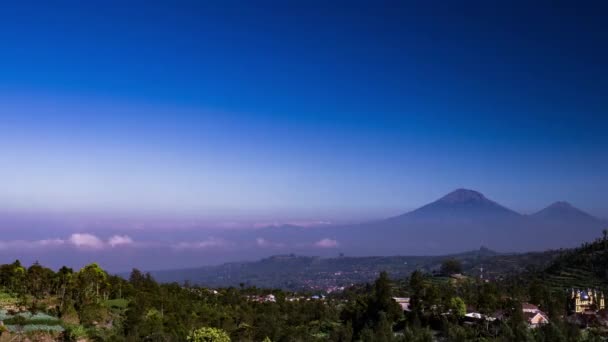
<point>300,110</point>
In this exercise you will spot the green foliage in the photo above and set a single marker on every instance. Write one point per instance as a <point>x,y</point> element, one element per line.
<point>75,332</point>
<point>451,266</point>
<point>119,303</point>
<point>90,304</point>
<point>208,335</point>
<point>457,307</point>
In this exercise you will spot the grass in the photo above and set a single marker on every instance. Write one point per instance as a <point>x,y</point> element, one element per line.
<point>8,299</point>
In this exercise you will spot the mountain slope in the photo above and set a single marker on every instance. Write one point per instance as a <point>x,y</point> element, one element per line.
<point>461,204</point>
<point>564,212</point>
<point>461,220</point>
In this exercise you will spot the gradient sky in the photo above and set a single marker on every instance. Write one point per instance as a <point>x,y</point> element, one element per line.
<point>300,110</point>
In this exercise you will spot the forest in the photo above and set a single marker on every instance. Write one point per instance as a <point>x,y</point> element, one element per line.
<point>89,304</point>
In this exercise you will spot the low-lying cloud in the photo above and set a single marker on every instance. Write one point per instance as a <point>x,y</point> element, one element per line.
<point>261,242</point>
<point>326,243</point>
<point>86,241</point>
<point>120,240</point>
<point>209,243</point>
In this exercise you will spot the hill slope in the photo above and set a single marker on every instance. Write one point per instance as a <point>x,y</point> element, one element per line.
<point>313,273</point>
<point>582,267</point>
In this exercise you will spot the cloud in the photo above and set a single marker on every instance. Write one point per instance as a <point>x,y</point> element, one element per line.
<point>120,240</point>
<point>204,244</point>
<point>91,242</point>
<point>326,243</point>
<point>298,223</point>
<point>24,244</point>
<point>86,241</point>
<point>49,242</point>
<point>261,242</point>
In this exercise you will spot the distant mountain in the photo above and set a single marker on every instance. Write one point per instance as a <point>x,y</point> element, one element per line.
<point>461,220</point>
<point>466,218</point>
<point>461,204</point>
<point>564,212</point>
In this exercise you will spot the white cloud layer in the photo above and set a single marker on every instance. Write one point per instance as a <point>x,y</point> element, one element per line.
<point>326,243</point>
<point>86,241</point>
<point>203,244</point>
<point>120,240</point>
<point>24,244</point>
<point>261,242</point>
<point>91,242</point>
<point>83,241</point>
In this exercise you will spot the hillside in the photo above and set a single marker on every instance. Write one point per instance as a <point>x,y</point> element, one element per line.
<point>582,267</point>
<point>314,273</point>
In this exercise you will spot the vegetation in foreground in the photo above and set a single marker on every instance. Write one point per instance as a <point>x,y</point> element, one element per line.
<point>90,304</point>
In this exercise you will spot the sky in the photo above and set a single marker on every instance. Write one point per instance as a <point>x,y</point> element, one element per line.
<point>238,112</point>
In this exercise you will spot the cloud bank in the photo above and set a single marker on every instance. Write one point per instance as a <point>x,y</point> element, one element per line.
<point>84,241</point>
<point>326,243</point>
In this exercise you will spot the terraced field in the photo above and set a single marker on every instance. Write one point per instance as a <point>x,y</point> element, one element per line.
<point>571,277</point>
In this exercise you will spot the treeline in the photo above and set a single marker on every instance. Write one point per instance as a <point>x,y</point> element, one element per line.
<point>95,305</point>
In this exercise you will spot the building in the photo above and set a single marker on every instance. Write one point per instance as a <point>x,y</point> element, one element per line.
<point>581,301</point>
<point>535,320</point>
<point>533,315</point>
<point>473,316</point>
<point>403,302</point>
<point>263,299</point>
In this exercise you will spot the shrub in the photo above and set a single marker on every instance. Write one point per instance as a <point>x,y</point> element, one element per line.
<point>208,335</point>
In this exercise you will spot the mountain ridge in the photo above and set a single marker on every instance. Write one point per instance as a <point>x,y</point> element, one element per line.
<point>459,204</point>
<point>562,210</point>
<point>460,220</point>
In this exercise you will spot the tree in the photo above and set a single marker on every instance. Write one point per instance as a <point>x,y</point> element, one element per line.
<point>16,277</point>
<point>63,278</point>
<point>383,330</point>
<point>91,278</point>
<point>416,281</point>
<point>417,284</point>
<point>457,307</point>
<point>208,335</point>
<point>382,300</point>
<point>451,266</point>
<point>38,280</point>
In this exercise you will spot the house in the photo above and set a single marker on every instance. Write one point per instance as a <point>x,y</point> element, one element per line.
<point>535,320</point>
<point>458,276</point>
<point>581,301</point>
<point>529,308</point>
<point>476,316</point>
<point>263,299</point>
<point>404,302</point>
<point>533,315</point>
